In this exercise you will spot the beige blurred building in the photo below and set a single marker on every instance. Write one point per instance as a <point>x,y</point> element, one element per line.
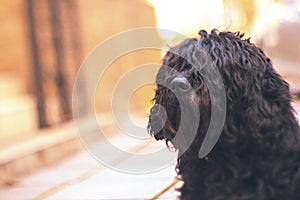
<point>97,21</point>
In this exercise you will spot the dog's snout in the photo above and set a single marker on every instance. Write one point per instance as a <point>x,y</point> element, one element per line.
<point>180,83</point>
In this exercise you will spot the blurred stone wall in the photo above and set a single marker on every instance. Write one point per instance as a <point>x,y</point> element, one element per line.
<point>97,21</point>
<point>13,55</point>
<point>102,19</point>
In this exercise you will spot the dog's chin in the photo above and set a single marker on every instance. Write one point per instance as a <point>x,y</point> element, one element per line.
<point>164,134</point>
<point>159,136</point>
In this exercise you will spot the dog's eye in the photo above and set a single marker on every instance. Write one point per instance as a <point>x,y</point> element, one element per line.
<point>180,83</point>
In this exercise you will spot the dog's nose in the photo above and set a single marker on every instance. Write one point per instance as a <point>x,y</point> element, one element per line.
<point>180,83</point>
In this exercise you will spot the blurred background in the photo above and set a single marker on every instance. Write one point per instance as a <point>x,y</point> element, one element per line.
<point>44,42</point>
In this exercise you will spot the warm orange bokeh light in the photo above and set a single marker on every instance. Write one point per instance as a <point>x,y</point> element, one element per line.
<point>187,17</point>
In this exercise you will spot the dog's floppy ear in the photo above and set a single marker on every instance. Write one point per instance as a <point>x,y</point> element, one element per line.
<point>274,87</point>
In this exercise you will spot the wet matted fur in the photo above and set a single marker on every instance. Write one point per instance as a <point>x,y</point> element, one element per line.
<point>258,153</point>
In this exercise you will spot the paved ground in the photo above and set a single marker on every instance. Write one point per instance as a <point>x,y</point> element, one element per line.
<point>82,177</point>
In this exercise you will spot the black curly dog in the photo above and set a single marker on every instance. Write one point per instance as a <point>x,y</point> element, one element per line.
<point>257,155</point>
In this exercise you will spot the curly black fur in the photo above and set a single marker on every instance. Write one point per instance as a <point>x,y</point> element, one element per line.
<point>258,153</point>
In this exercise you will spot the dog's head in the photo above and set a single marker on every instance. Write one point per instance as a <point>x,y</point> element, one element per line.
<point>257,99</point>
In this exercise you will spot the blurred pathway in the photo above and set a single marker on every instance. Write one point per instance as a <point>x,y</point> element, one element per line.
<point>82,177</point>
